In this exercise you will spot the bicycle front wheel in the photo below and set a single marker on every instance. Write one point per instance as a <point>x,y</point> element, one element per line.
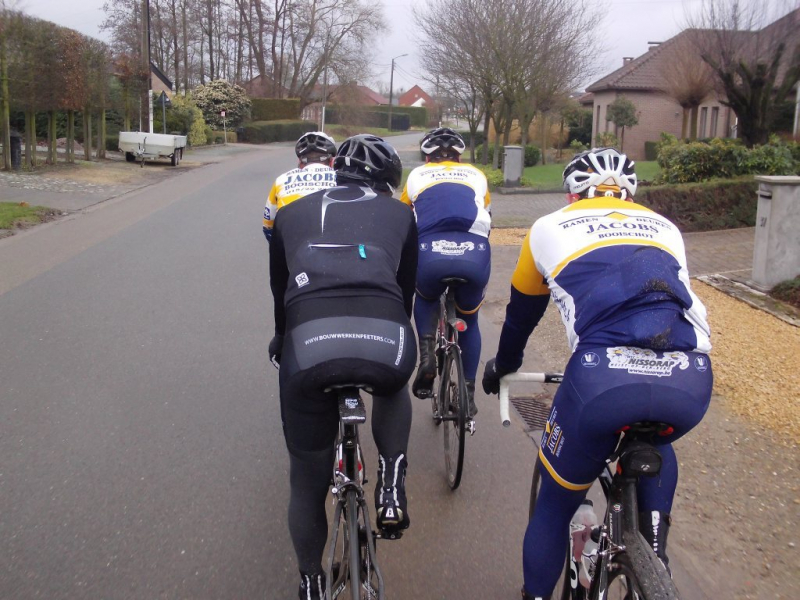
<point>453,402</point>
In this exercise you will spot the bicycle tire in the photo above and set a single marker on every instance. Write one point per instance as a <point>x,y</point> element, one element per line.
<point>453,393</point>
<point>354,558</point>
<point>439,349</point>
<point>564,585</point>
<point>644,572</point>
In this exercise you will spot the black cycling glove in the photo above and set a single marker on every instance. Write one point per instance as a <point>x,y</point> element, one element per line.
<point>491,377</point>
<point>275,349</point>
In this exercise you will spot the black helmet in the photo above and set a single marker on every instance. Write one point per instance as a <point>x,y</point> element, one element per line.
<point>370,159</point>
<point>315,141</point>
<point>600,172</point>
<point>442,139</point>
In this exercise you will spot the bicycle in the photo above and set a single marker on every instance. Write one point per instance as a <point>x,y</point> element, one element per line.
<point>624,566</point>
<point>450,403</point>
<point>352,540</point>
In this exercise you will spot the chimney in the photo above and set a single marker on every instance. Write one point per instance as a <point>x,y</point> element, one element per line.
<point>626,60</point>
<point>653,45</point>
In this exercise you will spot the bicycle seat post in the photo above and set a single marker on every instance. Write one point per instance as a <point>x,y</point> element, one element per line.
<point>352,413</point>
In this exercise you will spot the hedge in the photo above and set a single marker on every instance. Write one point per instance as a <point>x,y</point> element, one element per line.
<point>412,116</point>
<point>367,118</point>
<point>274,109</point>
<point>219,137</point>
<point>264,132</point>
<point>699,161</point>
<point>706,206</point>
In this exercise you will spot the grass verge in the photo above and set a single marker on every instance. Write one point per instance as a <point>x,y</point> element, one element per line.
<point>548,177</point>
<point>14,215</point>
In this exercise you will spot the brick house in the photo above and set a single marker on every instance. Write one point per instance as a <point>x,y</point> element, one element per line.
<point>641,80</point>
<point>416,96</point>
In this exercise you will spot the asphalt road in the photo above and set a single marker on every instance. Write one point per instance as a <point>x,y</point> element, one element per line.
<point>142,454</point>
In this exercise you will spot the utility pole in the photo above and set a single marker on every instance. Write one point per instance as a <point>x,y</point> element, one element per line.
<point>146,65</point>
<point>391,85</point>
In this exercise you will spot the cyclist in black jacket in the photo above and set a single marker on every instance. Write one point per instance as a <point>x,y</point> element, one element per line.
<point>342,271</point>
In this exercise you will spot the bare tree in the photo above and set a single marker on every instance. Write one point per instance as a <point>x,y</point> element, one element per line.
<point>522,55</point>
<point>687,78</point>
<point>755,58</point>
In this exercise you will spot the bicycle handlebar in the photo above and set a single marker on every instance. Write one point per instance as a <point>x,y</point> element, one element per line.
<point>506,380</point>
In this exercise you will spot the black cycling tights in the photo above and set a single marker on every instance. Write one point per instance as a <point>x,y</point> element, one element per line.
<point>310,437</point>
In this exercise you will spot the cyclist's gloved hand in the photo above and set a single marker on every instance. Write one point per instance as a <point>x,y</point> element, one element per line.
<point>491,377</point>
<point>275,349</point>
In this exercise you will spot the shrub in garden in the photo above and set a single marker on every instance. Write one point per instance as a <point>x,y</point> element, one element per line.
<point>606,140</point>
<point>183,118</point>
<point>704,206</point>
<point>218,95</point>
<point>682,162</point>
<point>493,176</point>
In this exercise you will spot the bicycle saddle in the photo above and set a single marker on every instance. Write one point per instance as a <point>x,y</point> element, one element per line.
<point>638,457</point>
<point>453,281</point>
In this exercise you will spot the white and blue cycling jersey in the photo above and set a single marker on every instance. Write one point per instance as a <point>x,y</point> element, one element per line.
<point>449,196</point>
<point>617,272</point>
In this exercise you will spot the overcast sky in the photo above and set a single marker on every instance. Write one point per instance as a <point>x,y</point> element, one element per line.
<point>626,30</point>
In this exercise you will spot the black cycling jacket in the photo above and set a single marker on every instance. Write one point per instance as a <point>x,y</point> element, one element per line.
<point>340,242</point>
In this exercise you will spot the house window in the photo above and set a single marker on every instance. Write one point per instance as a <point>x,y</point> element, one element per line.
<point>703,121</point>
<point>714,119</point>
<point>607,121</point>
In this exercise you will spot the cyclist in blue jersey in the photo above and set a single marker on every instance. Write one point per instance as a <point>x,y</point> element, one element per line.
<point>640,342</point>
<point>452,204</point>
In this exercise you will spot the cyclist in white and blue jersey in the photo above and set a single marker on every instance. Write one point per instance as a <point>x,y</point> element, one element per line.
<point>452,204</point>
<point>617,272</point>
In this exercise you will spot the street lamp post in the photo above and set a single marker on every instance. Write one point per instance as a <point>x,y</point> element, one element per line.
<point>391,85</point>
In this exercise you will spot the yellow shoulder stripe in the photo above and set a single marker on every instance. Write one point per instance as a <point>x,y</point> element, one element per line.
<point>526,277</point>
<point>614,242</point>
<point>605,203</point>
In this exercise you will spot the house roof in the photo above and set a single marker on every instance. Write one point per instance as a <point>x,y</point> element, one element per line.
<point>413,95</point>
<point>645,73</point>
<point>372,95</point>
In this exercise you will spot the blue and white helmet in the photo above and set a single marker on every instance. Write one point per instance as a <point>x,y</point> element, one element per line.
<point>600,172</point>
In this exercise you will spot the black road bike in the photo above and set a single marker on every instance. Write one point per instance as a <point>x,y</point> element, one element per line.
<point>351,564</point>
<point>450,402</point>
<point>624,566</point>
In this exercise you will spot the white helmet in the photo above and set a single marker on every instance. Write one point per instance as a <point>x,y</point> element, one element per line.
<point>600,172</point>
<point>315,141</point>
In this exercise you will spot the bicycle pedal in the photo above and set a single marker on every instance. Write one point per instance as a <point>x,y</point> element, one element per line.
<point>389,534</point>
<point>471,426</point>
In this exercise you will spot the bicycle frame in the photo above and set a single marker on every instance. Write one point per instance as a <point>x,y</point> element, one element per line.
<point>347,485</point>
<point>620,535</point>
<point>621,547</point>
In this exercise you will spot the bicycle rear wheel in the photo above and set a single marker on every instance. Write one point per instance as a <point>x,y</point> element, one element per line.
<point>567,586</point>
<point>453,403</point>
